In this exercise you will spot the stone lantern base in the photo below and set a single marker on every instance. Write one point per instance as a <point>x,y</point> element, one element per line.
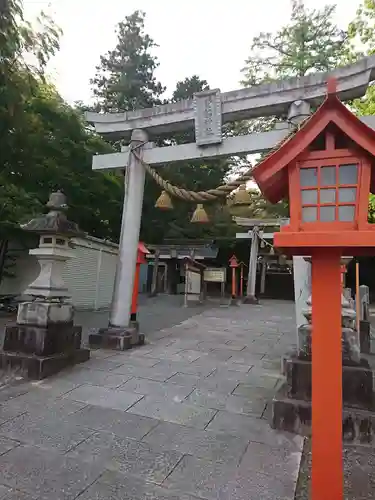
<point>44,339</point>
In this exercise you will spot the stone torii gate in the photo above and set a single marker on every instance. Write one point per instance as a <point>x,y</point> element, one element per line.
<point>206,113</point>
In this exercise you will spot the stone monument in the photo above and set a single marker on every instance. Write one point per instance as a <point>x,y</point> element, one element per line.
<point>291,408</point>
<point>44,339</point>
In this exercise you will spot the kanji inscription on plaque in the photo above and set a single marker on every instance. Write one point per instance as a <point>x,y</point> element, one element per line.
<point>207,106</point>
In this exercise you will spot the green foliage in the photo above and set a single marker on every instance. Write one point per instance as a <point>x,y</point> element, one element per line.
<point>371,209</point>
<point>310,42</point>
<point>125,81</point>
<point>361,30</point>
<point>125,78</point>
<point>45,144</point>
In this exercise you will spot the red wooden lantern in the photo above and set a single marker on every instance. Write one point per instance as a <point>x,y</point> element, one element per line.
<point>327,170</point>
<point>233,261</point>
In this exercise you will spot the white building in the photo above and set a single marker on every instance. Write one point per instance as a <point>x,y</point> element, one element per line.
<point>89,276</point>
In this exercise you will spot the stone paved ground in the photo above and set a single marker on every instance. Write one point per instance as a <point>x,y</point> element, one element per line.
<point>359,473</point>
<point>181,418</point>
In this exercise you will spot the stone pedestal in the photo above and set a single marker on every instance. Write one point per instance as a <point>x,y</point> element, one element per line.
<point>291,407</point>
<point>44,339</point>
<point>116,338</point>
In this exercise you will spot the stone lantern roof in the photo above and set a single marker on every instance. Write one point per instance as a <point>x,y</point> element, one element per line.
<point>55,221</point>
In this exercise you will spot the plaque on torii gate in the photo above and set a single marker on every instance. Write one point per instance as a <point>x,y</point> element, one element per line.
<point>206,112</point>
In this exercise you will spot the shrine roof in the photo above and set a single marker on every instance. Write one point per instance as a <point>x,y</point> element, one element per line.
<point>271,173</point>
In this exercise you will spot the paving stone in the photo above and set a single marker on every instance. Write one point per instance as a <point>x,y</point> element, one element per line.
<point>260,379</point>
<point>116,486</point>
<point>159,374</point>
<point>238,404</point>
<point>127,456</point>
<point>282,463</point>
<point>7,412</point>
<point>201,477</point>
<point>199,369</point>
<point>106,365</point>
<point>118,422</point>
<point>44,432</point>
<point>237,376</point>
<point>44,406</point>
<point>46,475</point>
<point>197,442</point>
<point>128,359</point>
<point>253,393</point>
<point>179,413</point>
<point>230,403</point>
<point>163,352</point>
<point>184,379</point>
<point>51,388</point>
<point>3,491</point>
<point>153,388</point>
<point>215,383</point>
<point>208,399</point>
<point>94,377</point>
<point>101,396</point>
<point>238,367</point>
<point>189,355</point>
<point>256,486</point>
<point>246,359</point>
<point>252,429</point>
<point>12,391</point>
<point>7,445</point>
<point>12,494</point>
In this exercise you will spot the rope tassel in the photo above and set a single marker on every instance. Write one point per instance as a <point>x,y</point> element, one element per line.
<point>164,202</point>
<point>200,215</point>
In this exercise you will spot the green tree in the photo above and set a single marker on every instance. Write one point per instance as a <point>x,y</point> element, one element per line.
<point>309,42</point>
<point>45,144</point>
<point>125,77</point>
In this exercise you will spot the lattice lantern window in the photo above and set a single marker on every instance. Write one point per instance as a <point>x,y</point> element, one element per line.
<point>329,192</point>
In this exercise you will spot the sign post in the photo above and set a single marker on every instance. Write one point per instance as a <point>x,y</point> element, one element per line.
<point>242,265</point>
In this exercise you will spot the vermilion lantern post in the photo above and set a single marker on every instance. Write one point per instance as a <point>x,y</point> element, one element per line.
<point>233,263</point>
<point>141,259</point>
<point>326,169</point>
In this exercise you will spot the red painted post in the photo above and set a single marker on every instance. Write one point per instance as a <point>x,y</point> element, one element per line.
<point>327,471</point>
<point>141,259</point>
<point>233,263</point>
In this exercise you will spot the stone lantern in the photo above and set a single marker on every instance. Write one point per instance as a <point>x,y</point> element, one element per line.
<point>44,339</point>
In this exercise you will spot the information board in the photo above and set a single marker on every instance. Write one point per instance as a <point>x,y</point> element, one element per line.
<point>215,274</point>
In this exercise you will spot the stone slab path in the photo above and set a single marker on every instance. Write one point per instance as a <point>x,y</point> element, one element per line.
<point>181,418</point>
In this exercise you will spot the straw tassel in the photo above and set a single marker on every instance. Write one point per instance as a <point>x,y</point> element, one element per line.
<point>164,201</point>
<point>200,215</point>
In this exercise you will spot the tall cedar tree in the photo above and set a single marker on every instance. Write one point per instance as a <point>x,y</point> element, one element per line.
<point>125,78</point>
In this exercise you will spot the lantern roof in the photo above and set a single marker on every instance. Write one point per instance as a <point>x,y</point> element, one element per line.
<point>142,248</point>
<point>55,221</point>
<point>271,173</point>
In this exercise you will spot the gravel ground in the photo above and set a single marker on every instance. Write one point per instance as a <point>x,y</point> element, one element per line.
<point>359,473</point>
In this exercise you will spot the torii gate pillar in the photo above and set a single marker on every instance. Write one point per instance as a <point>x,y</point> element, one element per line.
<point>120,334</point>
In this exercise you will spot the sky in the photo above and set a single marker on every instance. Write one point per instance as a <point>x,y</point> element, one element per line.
<point>209,38</point>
